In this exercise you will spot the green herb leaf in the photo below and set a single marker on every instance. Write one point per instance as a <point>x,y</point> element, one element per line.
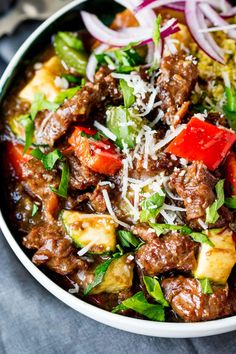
<point>163,228</point>
<point>98,136</point>
<point>100,272</point>
<point>201,238</point>
<point>206,286</point>
<point>231,202</point>
<point>156,36</point>
<point>230,107</point>
<point>139,304</point>
<point>211,212</point>
<point>40,104</point>
<point>154,289</point>
<point>72,79</point>
<point>71,40</point>
<point>151,207</point>
<point>185,230</point>
<point>128,93</point>
<point>65,177</point>
<point>29,132</point>
<point>34,210</point>
<point>66,95</point>
<point>127,239</point>
<point>49,160</point>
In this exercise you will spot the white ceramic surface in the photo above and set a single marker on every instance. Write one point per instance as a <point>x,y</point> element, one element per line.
<point>158,329</point>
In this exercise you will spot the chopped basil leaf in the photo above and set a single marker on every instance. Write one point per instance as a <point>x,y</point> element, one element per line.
<point>66,95</point>
<point>230,107</point>
<point>40,103</point>
<point>34,210</point>
<point>72,79</point>
<point>201,238</point>
<point>28,124</point>
<point>71,40</point>
<point>38,154</point>
<point>154,289</point>
<point>63,187</point>
<point>163,228</point>
<point>99,274</point>
<point>119,253</point>
<point>151,207</point>
<point>123,60</point>
<point>196,236</point>
<point>211,213</point>
<point>97,136</point>
<point>157,30</point>
<point>139,304</point>
<point>206,286</point>
<point>127,239</point>
<point>128,93</point>
<point>231,202</point>
<point>49,160</point>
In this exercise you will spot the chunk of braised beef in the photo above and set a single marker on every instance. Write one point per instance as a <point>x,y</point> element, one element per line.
<point>195,185</point>
<point>170,252</point>
<point>97,200</point>
<point>187,300</point>
<point>176,81</point>
<point>53,250</point>
<point>163,163</point>
<point>51,126</point>
<point>81,177</point>
<point>37,181</point>
<point>144,232</point>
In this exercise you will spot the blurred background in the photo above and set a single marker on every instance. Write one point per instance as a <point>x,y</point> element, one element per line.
<point>18,19</point>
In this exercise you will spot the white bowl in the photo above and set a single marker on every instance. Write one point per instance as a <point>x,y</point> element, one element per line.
<point>150,328</point>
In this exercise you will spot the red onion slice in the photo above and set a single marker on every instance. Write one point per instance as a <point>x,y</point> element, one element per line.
<point>191,16</point>
<point>148,16</point>
<point>152,4</point>
<point>215,19</point>
<point>208,36</point>
<point>122,38</point>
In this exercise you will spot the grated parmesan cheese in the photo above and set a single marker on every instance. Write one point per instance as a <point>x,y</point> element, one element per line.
<point>104,130</point>
<point>110,210</point>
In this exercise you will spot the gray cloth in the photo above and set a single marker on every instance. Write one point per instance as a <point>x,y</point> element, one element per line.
<point>32,321</point>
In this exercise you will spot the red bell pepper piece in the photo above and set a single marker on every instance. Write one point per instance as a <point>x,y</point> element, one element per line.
<point>16,158</point>
<point>202,141</point>
<point>230,173</point>
<point>99,155</point>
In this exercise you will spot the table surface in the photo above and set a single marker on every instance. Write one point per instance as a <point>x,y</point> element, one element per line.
<point>32,321</point>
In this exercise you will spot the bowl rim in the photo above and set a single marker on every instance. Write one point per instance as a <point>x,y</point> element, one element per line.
<point>138,326</point>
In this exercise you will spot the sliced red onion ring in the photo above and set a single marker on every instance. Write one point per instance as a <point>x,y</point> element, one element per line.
<point>122,38</point>
<point>191,16</point>
<point>208,36</point>
<point>92,62</point>
<point>152,4</point>
<point>148,16</point>
<point>176,6</point>
<point>215,19</point>
<point>229,14</point>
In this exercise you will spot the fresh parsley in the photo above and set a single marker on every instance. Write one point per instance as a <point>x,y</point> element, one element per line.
<point>128,93</point>
<point>206,286</point>
<point>154,289</point>
<point>139,304</point>
<point>156,36</point>
<point>65,177</point>
<point>66,95</point>
<point>212,212</point>
<point>185,230</point>
<point>230,107</point>
<point>127,239</point>
<point>28,125</point>
<point>73,79</point>
<point>151,207</point>
<point>34,210</point>
<point>40,103</point>
<point>99,273</point>
<point>98,136</point>
<point>231,202</point>
<point>49,160</point>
